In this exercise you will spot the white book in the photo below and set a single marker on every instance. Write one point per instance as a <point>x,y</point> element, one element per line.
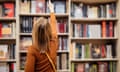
<point>33,6</point>
<point>87,66</point>
<point>107,10</point>
<point>13,30</point>
<point>3,67</point>
<point>78,12</point>
<point>64,61</point>
<point>3,51</point>
<point>109,51</point>
<point>74,46</point>
<point>92,12</point>
<point>65,44</point>
<point>58,62</point>
<point>83,51</point>
<point>15,67</point>
<point>60,43</point>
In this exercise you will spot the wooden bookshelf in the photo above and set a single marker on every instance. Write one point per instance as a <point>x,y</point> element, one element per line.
<point>71,20</point>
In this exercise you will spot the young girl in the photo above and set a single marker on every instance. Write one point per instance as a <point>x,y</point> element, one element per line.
<point>41,56</point>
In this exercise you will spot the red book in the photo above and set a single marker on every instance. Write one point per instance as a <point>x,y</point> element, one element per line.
<point>61,28</point>
<point>40,6</point>
<point>110,29</point>
<point>11,67</point>
<point>8,9</point>
<point>103,29</point>
<point>103,51</point>
<point>85,30</point>
<point>80,67</point>
<point>0,29</point>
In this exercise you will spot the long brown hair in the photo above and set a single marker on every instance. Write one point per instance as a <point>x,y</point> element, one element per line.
<point>41,34</point>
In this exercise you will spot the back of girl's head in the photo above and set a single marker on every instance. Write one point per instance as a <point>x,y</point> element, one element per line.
<point>41,34</point>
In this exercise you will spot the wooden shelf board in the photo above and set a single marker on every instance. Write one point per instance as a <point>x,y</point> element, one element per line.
<point>7,0</point>
<point>7,38</point>
<point>23,51</point>
<point>94,1</point>
<point>8,60</point>
<point>86,60</point>
<point>86,38</point>
<point>62,51</point>
<point>7,18</point>
<point>45,14</point>
<point>94,19</point>
<point>25,33</point>
<point>66,70</point>
<point>62,34</point>
<point>59,34</point>
<point>63,70</point>
<point>59,51</point>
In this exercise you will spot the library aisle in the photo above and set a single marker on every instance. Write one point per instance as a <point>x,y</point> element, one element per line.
<point>88,34</point>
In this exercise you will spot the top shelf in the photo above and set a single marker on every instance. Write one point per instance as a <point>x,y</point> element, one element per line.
<point>94,1</point>
<point>45,14</point>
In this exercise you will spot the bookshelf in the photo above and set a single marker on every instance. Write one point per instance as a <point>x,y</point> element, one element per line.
<point>95,40</point>
<point>8,49</point>
<point>68,34</point>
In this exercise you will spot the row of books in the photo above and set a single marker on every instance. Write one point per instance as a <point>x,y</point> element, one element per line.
<point>63,61</point>
<point>22,61</point>
<point>7,29</point>
<point>8,67</point>
<point>7,9</point>
<point>62,25</point>
<point>105,29</point>
<point>25,42</point>
<point>41,6</point>
<point>90,50</point>
<point>26,24</point>
<point>7,51</point>
<point>94,67</point>
<point>81,10</point>
<point>63,43</point>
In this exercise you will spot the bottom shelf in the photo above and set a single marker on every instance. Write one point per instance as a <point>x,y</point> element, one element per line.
<point>57,70</point>
<point>101,59</point>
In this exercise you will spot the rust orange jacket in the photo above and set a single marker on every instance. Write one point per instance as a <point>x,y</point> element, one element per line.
<point>38,62</point>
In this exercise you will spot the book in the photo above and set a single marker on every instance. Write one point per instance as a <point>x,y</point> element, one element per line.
<point>25,42</point>
<point>0,29</point>
<point>4,67</point>
<point>64,61</point>
<point>9,9</point>
<point>60,6</point>
<point>3,51</point>
<point>1,10</point>
<point>40,6</point>
<point>111,29</point>
<point>22,62</point>
<point>103,29</point>
<point>79,67</point>
<point>25,6</point>
<point>96,51</point>
<point>6,30</point>
<point>33,6</point>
